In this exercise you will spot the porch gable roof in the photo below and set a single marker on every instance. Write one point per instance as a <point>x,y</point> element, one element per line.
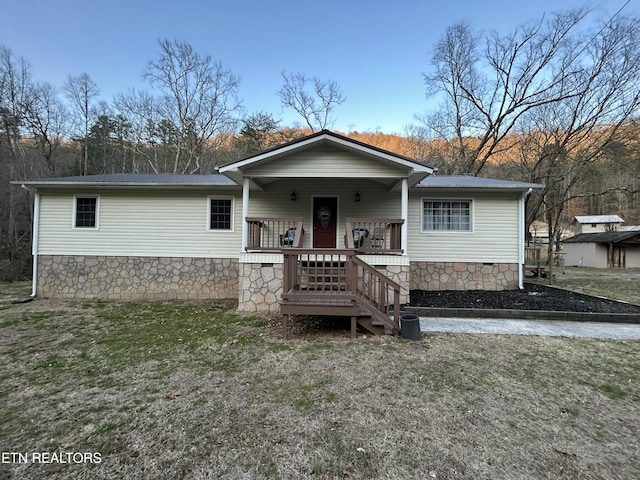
<point>404,167</point>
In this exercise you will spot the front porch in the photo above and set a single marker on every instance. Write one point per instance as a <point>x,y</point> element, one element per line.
<point>280,276</point>
<point>373,236</point>
<point>321,196</point>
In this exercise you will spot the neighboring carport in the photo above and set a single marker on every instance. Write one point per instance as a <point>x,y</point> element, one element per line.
<point>603,250</point>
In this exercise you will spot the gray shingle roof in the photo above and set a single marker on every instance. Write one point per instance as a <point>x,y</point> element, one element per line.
<point>132,179</point>
<point>463,181</point>
<point>139,179</point>
<point>602,237</point>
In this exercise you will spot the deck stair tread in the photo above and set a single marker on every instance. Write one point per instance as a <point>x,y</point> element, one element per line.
<point>323,288</point>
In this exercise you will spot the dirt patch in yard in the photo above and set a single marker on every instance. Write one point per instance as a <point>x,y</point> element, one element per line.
<point>532,297</point>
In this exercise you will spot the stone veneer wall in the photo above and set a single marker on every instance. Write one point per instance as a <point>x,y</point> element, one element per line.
<point>260,288</point>
<point>464,276</point>
<point>137,278</point>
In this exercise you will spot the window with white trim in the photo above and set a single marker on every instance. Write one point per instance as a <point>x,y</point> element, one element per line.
<point>221,213</point>
<point>446,215</point>
<point>85,211</point>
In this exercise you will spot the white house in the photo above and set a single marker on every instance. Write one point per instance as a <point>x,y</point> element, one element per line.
<point>331,206</point>
<point>596,223</point>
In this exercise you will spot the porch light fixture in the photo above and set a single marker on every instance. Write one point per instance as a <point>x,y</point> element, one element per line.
<point>356,197</point>
<point>293,195</point>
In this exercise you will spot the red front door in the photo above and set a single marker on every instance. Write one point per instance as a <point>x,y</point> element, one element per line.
<point>325,212</point>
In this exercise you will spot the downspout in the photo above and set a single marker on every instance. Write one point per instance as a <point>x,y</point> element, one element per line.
<point>405,216</point>
<point>34,241</point>
<point>521,225</point>
<point>245,214</point>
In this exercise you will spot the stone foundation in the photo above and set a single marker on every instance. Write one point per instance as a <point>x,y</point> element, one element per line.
<point>260,288</point>
<point>464,276</point>
<point>257,286</point>
<point>137,278</point>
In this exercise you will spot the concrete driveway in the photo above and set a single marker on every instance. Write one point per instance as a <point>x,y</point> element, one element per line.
<point>619,331</point>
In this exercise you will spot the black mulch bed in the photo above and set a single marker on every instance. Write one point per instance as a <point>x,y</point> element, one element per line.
<point>533,297</point>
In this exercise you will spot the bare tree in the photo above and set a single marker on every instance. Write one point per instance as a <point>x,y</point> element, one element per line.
<point>198,96</point>
<point>46,119</point>
<point>312,98</point>
<point>141,112</point>
<point>556,93</point>
<point>15,88</point>
<point>578,132</point>
<point>488,82</point>
<point>81,91</point>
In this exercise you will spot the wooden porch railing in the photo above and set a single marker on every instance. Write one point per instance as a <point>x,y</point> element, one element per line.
<point>374,235</point>
<point>274,233</point>
<point>378,294</point>
<point>337,282</point>
<point>533,261</point>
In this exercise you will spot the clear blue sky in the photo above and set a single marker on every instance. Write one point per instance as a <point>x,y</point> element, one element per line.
<point>375,50</point>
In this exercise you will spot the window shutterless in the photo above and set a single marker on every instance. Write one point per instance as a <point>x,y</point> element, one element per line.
<point>220,214</point>
<point>446,215</point>
<point>85,212</point>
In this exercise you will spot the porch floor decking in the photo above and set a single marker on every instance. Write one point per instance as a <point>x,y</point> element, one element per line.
<point>309,303</point>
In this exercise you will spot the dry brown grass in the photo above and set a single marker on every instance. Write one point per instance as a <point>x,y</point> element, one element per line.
<point>613,283</point>
<point>190,390</point>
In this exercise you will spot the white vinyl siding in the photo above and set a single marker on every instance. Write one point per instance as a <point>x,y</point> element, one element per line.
<point>493,238</point>
<point>325,163</point>
<point>139,223</point>
<point>375,201</point>
<point>159,222</point>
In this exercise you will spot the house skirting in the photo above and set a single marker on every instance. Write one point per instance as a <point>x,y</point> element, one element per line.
<point>464,276</point>
<point>136,278</point>
<point>255,282</point>
<point>260,287</point>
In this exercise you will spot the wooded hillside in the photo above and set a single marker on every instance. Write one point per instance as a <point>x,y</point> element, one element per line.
<point>555,102</point>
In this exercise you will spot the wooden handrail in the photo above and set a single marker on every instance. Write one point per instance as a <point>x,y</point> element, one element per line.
<point>274,233</point>
<point>374,235</point>
<point>377,299</point>
<point>533,261</point>
<point>310,273</point>
<point>532,254</point>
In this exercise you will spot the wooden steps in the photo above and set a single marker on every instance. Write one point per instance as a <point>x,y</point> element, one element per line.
<point>337,283</point>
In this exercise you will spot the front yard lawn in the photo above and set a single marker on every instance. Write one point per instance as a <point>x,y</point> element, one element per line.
<point>191,390</point>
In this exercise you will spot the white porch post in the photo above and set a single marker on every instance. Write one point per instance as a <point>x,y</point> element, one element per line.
<point>245,214</point>
<point>405,215</point>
